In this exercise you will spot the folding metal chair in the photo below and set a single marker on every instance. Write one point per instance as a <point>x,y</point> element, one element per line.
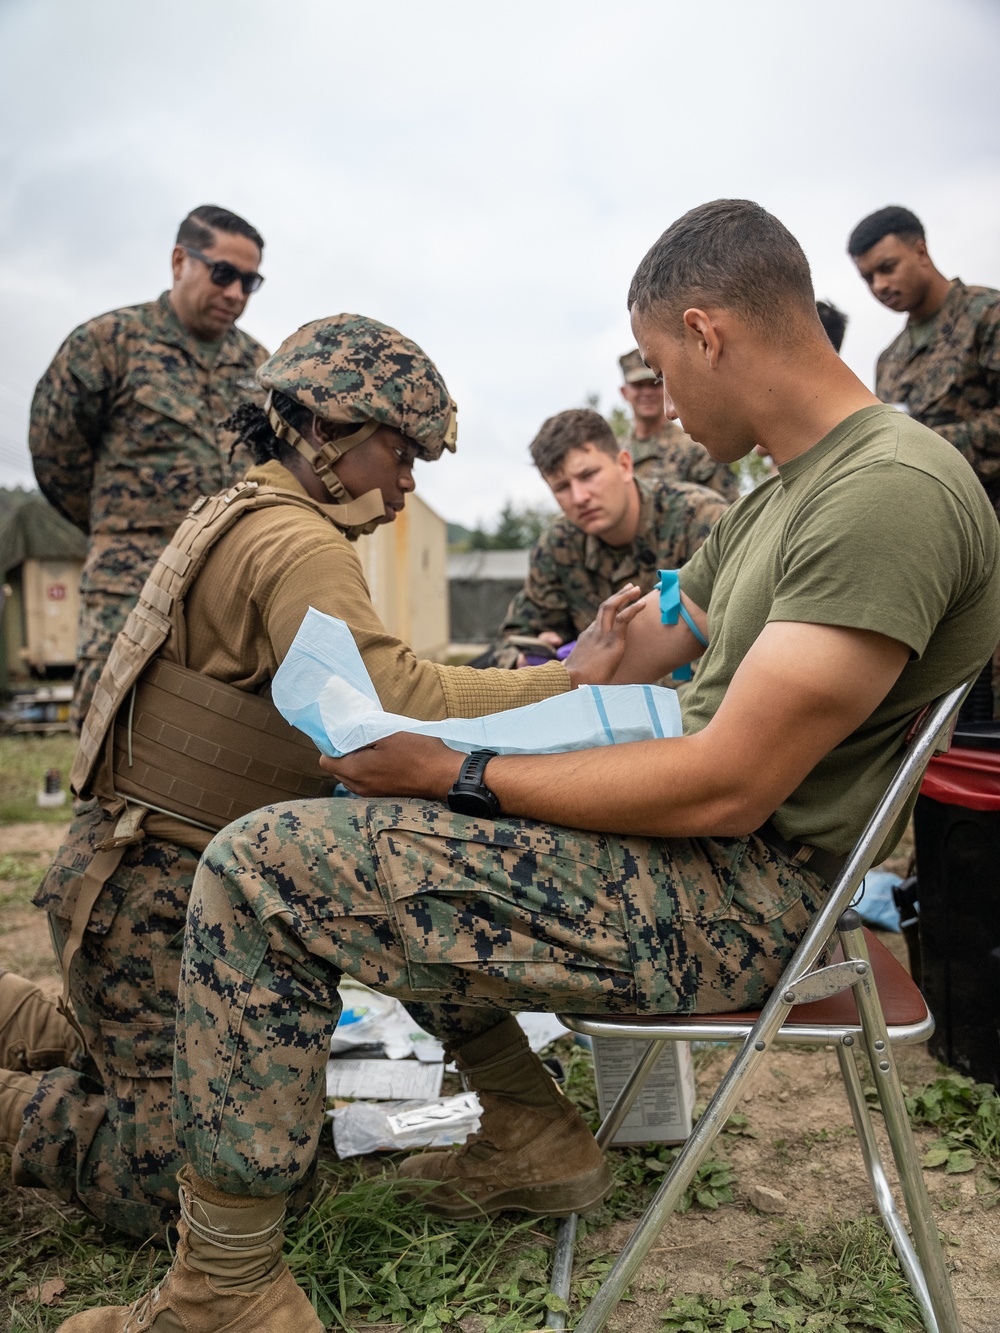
<point>863,995</point>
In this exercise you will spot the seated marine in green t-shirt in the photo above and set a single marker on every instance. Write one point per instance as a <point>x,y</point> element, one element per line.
<point>852,588</point>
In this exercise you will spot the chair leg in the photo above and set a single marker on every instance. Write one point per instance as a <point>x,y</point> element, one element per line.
<point>562,1259</point>
<point>881,1188</point>
<point>681,1174</point>
<point>890,1094</point>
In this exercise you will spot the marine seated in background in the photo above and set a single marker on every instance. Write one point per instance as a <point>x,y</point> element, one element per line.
<point>182,737</point>
<point>615,529</point>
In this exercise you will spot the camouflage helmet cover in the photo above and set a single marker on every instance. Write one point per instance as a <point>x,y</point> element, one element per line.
<point>349,368</point>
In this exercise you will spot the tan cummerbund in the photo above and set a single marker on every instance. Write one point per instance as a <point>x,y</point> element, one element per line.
<point>209,752</point>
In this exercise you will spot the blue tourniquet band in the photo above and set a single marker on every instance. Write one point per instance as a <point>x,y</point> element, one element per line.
<point>672,609</point>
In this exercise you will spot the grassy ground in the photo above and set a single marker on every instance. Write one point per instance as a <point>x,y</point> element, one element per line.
<point>372,1258</point>
<point>23,763</point>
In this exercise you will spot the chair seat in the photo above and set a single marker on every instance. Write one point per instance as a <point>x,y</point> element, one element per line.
<point>902,1003</point>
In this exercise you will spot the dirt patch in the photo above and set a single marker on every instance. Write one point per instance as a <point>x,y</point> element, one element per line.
<point>35,838</point>
<point>799,1140</point>
<point>25,945</point>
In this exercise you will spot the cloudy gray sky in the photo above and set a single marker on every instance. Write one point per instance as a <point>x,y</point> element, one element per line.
<point>485,177</point>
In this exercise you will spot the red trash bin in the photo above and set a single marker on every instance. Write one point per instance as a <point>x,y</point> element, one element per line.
<point>957,836</point>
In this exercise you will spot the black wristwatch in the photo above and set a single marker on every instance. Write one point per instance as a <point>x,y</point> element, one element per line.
<point>469,794</point>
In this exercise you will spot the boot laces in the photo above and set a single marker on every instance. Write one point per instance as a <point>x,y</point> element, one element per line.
<point>201,1226</point>
<point>143,1311</point>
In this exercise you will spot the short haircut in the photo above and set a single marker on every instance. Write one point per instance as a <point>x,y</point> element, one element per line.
<point>891,221</point>
<point>198,227</point>
<point>574,429</point>
<point>730,253</point>
<point>834,321</point>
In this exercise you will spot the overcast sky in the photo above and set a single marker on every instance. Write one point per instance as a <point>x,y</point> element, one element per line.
<point>484,177</point>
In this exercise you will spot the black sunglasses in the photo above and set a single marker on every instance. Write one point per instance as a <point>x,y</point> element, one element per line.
<point>223,273</point>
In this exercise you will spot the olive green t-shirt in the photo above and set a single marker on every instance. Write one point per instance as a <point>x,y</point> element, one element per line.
<point>880,526</point>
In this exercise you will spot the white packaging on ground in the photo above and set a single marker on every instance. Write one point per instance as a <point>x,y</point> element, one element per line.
<point>323,688</point>
<point>662,1112</point>
<point>383,1080</point>
<point>368,1019</point>
<point>402,1106</point>
<point>363,1127</point>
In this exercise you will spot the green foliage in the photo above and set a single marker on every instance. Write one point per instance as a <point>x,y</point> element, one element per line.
<point>23,761</point>
<point>21,870</point>
<point>966,1112</point>
<point>619,421</point>
<point>750,471</point>
<point>842,1279</point>
<point>458,537</point>
<point>374,1255</point>
<point>967,1116</point>
<point>517,528</point>
<point>641,1169</point>
<point>365,1253</point>
<point>19,878</point>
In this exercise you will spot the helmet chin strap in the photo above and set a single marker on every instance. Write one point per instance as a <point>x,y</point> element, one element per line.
<point>355,516</point>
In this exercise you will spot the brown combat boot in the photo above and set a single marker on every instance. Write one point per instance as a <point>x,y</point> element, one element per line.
<point>533,1151</point>
<point>227,1274</point>
<point>33,1033</point>
<point>16,1091</point>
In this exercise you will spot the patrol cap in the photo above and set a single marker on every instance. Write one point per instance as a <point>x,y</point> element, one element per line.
<point>633,370</point>
<point>350,368</point>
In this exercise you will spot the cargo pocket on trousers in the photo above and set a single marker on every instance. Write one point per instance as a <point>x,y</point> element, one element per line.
<point>702,873</point>
<point>59,892</point>
<point>528,908</point>
<point>137,1064</point>
<point>768,886</point>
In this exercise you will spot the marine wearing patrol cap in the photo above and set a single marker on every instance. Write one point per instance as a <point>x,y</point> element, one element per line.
<point>634,370</point>
<point>353,370</point>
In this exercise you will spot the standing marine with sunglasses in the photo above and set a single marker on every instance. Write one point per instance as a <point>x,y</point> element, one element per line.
<point>125,429</point>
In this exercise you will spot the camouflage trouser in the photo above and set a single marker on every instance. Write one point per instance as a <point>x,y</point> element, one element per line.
<point>102,615</point>
<point>107,1140</point>
<point>463,921</point>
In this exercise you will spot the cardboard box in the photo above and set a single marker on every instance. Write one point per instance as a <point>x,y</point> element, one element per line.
<point>662,1111</point>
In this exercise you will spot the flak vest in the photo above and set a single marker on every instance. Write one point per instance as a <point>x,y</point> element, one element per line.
<point>159,736</point>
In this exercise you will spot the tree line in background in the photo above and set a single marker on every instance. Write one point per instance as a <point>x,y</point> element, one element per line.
<point>520,526</point>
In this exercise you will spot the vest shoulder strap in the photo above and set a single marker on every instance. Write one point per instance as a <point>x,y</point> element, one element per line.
<point>158,617</point>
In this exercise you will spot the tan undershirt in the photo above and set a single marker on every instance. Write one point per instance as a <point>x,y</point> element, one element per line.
<point>250,598</point>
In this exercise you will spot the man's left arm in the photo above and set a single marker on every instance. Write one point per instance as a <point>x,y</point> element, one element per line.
<point>979,437</point>
<point>800,691</point>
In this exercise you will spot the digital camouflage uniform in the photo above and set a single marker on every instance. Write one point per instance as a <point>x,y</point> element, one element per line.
<point>467,919</point>
<point>124,437</point>
<point>104,1137</point>
<point>571,572</point>
<point>671,455</point>
<point>462,920</point>
<point>949,379</point>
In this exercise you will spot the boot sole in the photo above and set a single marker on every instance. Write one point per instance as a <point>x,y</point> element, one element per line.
<point>557,1200</point>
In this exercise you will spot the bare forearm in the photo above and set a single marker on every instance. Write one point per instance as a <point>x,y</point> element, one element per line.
<point>800,690</point>
<point>657,788</point>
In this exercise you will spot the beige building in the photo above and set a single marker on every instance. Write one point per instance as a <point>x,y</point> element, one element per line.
<point>405,563</point>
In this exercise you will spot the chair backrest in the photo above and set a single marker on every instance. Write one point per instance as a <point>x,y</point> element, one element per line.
<point>935,724</point>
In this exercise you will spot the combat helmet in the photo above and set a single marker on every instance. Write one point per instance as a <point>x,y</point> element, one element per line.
<point>351,369</point>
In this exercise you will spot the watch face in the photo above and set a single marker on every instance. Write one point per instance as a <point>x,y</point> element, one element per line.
<point>483,804</point>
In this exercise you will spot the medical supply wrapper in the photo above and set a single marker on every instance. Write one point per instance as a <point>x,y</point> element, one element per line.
<point>323,688</point>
